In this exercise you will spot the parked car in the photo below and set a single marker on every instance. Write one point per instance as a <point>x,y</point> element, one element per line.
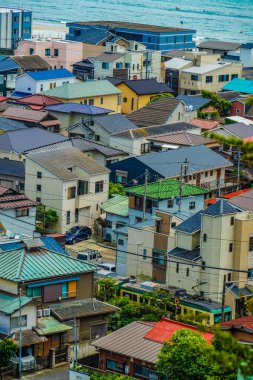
<point>90,255</point>
<point>77,233</point>
<point>28,363</point>
<point>108,267</point>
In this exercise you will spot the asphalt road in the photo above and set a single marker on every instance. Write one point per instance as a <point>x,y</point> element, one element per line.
<point>61,374</point>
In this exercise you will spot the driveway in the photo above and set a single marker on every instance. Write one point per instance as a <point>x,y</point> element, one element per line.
<point>107,252</point>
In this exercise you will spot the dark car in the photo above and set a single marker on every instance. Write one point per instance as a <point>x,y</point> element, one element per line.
<point>77,233</point>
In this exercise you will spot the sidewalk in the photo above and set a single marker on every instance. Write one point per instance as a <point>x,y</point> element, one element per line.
<point>61,371</point>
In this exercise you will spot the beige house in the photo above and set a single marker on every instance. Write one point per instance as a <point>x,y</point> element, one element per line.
<point>69,182</point>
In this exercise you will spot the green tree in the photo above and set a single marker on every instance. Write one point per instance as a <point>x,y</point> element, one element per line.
<point>106,289</point>
<point>116,189</point>
<point>48,217</point>
<point>161,96</point>
<point>7,349</point>
<point>223,106</point>
<point>249,101</point>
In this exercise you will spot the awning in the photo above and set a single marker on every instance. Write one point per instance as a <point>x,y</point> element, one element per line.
<point>30,337</point>
<point>52,282</point>
<point>50,325</point>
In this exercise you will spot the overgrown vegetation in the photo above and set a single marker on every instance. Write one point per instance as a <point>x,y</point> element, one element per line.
<point>161,96</point>
<point>221,105</point>
<point>47,217</point>
<point>7,349</point>
<point>116,189</point>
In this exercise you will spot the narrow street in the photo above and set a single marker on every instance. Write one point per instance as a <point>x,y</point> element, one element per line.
<point>53,374</point>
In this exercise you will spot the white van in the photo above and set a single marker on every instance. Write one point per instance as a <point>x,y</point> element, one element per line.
<point>92,256</point>
<point>108,266</point>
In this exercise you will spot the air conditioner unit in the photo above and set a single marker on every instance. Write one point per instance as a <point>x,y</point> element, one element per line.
<point>46,312</point>
<point>39,313</point>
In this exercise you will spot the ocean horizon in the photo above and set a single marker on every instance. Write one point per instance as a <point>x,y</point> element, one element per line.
<point>230,20</point>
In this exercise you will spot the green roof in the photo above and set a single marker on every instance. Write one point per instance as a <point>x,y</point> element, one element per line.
<point>83,90</point>
<point>23,265</point>
<point>165,189</point>
<point>10,304</point>
<point>118,205</point>
<point>50,325</point>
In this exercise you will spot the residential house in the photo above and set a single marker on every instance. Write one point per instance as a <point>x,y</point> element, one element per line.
<point>71,114</point>
<point>100,128</point>
<point>173,72</point>
<point>228,95</point>
<point>38,81</point>
<point>153,37</point>
<point>36,102</point>
<point>69,182</point>
<point>204,124</point>
<point>241,108</point>
<point>13,144</point>
<point>60,54</point>
<point>224,48</point>
<point>15,24</point>
<point>94,93</point>
<point>84,69</point>
<point>243,201</point>
<point>238,130</point>
<point>33,118</point>
<point>137,141</point>
<point>133,350</point>
<point>243,86</point>
<point>209,172</point>
<point>7,125</point>
<point>194,103</point>
<point>246,54</point>
<point>91,50</point>
<point>160,112</point>
<point>12,174</point>
<point>136,94</point>
<point>240,328</point>
<point>18,212</point>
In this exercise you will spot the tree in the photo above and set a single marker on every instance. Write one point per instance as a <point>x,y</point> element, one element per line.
<point>161,96</point>
<point>106,289</point>
<point>48,217</point>
<point>7,349</point>
<point>116,189</point>
<point>249,101</point>
<point>223,106</point>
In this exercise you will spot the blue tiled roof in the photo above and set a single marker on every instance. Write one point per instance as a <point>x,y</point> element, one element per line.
<point>12,168</point>
<point>8,64</point>
<point>93,36</point>
<point>50,243</point>
<point>248,45</point>
<point>191,225</point>
<point>19,94</point>
<point>10,125</point>
<point>239,291</point>
<point>50,74</point>
<point>78,108</point>
<point>242,85</point>
<point>185,254</point>
<point>222,207</point>
<point>195,102</point>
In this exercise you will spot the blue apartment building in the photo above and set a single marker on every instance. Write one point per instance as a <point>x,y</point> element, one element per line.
<point>154,37</point>
<point>15,24</point>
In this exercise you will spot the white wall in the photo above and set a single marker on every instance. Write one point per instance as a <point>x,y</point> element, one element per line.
<point>25,83</point>
<point>246,57</point>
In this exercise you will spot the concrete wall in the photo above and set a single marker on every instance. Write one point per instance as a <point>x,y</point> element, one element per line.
<point>25,83</point>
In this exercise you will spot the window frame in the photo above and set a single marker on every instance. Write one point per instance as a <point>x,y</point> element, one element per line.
<point>99,186</point>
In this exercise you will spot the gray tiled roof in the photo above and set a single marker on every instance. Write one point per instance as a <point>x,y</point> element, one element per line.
<point>195,102</point>
<point>241,130</point>
<point>108,57</point>
<point>228,95</point>
<point>129,341</point>
<point>219,45</point>
<point>12,168</point>
<point>191,225</point>
<point>57,161</point>
<point>115,123</point>
<point>222,207</point>
<point>244,201</point>
<point>85,146</point>
<point>147,86</point>
<point>185,254</point>
<point>240,291</point>
<point>11,125</point>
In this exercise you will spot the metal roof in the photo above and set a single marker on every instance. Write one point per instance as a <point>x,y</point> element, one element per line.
<point>190,225</point>
<point>206,68</point>
<point>7,64</point>
<point>10,304</point>
<point>50,325</point>
<point>78,108</point>
<point>193,102</point>
<point>240,130</point>
<point>222,207</point>
<point>49,243</point>
<point>177,63</point>
<point>12,168</point>
<point>22,265</point>
<point>18,113</point>
<point>219,45</point>
<point>165,189</point>
<point>182,138</point>
<point>83,90</point>
<point>108,57</point>
<point>88,145</point>
<point>50,74</point>
<point>147,86</point>
<point>115,123</point>
<point>243,201</point>
<point>192,255</point>
<point>204,123</point>
<point>241,85</point>
<point>38,100</point>
<point>10,125</point>
<point>118,205</point>
<point>228,95</point>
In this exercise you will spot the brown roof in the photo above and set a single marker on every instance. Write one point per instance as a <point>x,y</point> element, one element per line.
<point>182,138</point>
<point>57,161</point>
<point>228,95</point>
<point>10,198</point>
<point>129,341</point>
<point>204,123</point>
<point>22,114</point>
<point>50,123</point>
<point>243,324</point>
<point>38,100</point>
<point>108,57</point>
<point>30,337</point>
<point>31,62</point>
<point>244,201</point>
<point>155,113</point>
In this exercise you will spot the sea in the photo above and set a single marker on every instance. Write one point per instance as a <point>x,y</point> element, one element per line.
<point>228,20</point>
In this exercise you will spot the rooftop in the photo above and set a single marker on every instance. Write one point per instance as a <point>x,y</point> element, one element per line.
<point>177,63</point>
<point>18,113</point>
<point>10,198</point>
<point>243,324</point>
<point>31,62</point>
<point>182,138</point>
<point>77,108</point>
<point>181,253</point>
<point>50,74</point>
<point>118,205</point>
<point>204,123</point>
<point>83,90</point>
<point>190,225</point>
<point>241,85</point>
<point>115,123</point>
<point>206,68</point>
<point>193,102</point>
<point>58,162</point>
<point>240,130</point>
<point>12,168</point>
<point>50,325</point>
<point>108,57</point>
<point>219,45</point>
<point>88,145</point>
<point>222,207</point>
<point>10,125</point>
<point>38,100</point>
<point>243,201</point>
<point>10,304</point>
<point>228,95</point>
<point>147,86</point>
<point>165,189</point>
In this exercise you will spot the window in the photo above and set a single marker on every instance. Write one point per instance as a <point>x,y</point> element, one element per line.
<point>120,242</point>
<point>155,204</point>
<point>76,215</point>
<point>144,254</point>
<point>133,66</point>
<point>41,87</point>
<point>38,187</point>
<point>124,100</point>
<point>192,205</point>
<point>158,259</point>
<point>211,173</point>
<point>203,265</point>
<point>16,19</point>
<point>232,221</point>
<point>127,65</point>
<point>158,225</point>
<point>141,371</point>
<point>71,192</point>
<point>15,31</point>
<point>22,212</point>
<point>31,51</point>
<point>34,292</point>
<point>206,174</point>
<point>27,31</point>
<point>145,148</point>
<point>68,289</point>
<point>149,39</point>
<point>170,203</point>
<point>15,322</point>
<point>233,76</point>
<point>99,186</point>
<point>119,65</point>
<point>38,199</point>
<point>251,243</point>
<point>47,52</point>
<point>108,223</point>
<point>101,100</point>
<point>229,277</point>
<point>177,268</point>
<point>230,247</point>
<point>82,187</point>
<point>77,32</point>
<point>105,65</point>
<point>205,238</point>
<point>91,102</point>
<point>27,18</point>
<point>114,366</point>
<point>68,217</point>
<point>194,77</point>
<point>224,78</point>
<point>238,111</point>
<point>56,52</point>
<point>21,186</point>
<point>187,272</point>
<point>121,176</point>
<point>173,225</point>
<point>132,104</point>
<point>175,39</point>
<point>98,330</point>
<point>97,138</point>
<point>119,100</point>
<point>209,79</point>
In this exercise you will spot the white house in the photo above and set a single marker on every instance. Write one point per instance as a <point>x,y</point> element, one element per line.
<point>38,81</point>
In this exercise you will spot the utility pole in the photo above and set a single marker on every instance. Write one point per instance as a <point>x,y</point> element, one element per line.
<point>183,171</point>
<point>223,299</point>
<point>75,341</point>
<point>146,63</point>
<point>20,337</point>
<point>145,194</point>
<point>218,187</point>
<point>238,168</point>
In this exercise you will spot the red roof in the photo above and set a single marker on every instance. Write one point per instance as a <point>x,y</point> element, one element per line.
<point>163,331</point>
<point>204,124</point>
<point>248,139</point>
<point>239,323</point>
<point>3,98</point>
<point>39,100</point>
<point>227,196</point>
<point>10,198</point>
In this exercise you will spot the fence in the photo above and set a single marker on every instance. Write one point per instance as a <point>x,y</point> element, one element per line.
<point>7,373</point>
